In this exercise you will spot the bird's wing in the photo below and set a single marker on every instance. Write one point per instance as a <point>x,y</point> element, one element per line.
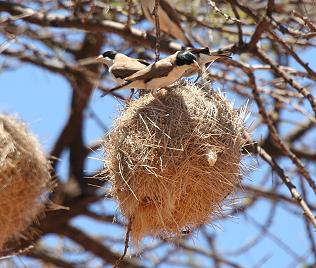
<point>125,69</point>
<point>159,69</point>
<point>122,73</point>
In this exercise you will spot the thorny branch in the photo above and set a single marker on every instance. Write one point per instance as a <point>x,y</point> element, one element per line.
<point>157,25</point>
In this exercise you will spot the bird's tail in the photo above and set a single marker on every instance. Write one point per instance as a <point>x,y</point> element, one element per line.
<point>206,51</point>
<point>115,88</point>
<point>221,53</point>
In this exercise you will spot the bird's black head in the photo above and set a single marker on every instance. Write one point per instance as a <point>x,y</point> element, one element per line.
<point>185,58</point>
<point>109,54</point>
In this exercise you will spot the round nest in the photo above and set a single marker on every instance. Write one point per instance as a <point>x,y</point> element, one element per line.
<point>24,179</point>
<point>174,158</point>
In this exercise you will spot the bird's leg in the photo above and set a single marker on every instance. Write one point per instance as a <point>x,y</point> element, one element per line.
<point>132,93</point>
<point>141,92</point>
<point>129,99</point>
<point>200,73</point>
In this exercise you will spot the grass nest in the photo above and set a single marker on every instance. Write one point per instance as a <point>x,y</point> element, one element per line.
<point>24,179</point>
<point>173,159</point>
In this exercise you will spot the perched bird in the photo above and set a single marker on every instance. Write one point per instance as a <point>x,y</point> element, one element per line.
<point>204,55</point>
<point>168,19</point>
<point>121,66</point>
<point>162,73</point>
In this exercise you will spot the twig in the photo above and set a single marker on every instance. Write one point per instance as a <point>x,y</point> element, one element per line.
<point>207,253</point>
<point>6,44</point>
<point>269,234</point>
<point>49,260</point>
<point>260,29</point>
<point>130,5</point>
<point>89,14</point>
<point>11,252</point>
<point>306,20</point>
<point>308,228</point>
<point>240,32</point>
<point>304,91</point>
<point>291,52</point>
<point>226,16</point>
<point>155,13</point>
<point>270,7</point>
<point>275,136</point>
<point>127,235</point>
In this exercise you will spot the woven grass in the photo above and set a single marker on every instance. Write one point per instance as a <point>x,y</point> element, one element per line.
<point>172,160</point>
<point>24,179</point>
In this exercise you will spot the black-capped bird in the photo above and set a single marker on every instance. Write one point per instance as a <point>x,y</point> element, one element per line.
<point>121,66</point>
<point>205,56</point>
<point>161,74</point>
<point>168,19</point>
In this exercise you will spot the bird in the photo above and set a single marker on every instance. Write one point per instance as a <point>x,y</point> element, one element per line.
<point>205,56</point>
<point>121,66</point>
<point>168,19</point>
<point>161,73</point>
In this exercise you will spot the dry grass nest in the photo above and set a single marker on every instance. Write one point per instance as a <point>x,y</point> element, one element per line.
<point>24,179</point>
<point>174,159</point>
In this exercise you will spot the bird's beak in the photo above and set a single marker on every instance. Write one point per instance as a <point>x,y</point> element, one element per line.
<point>196,65</point>
<point>99,58</point>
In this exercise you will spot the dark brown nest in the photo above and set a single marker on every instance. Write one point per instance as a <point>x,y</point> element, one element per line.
<point>24,179</point>
<point>174,159</point>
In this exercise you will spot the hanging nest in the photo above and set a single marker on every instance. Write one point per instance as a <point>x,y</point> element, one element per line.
<point>173,160</point>
<point>24,179</point>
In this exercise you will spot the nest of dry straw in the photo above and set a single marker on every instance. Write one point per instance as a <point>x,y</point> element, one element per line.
<point>24,179</point>
<point>174,159</point>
